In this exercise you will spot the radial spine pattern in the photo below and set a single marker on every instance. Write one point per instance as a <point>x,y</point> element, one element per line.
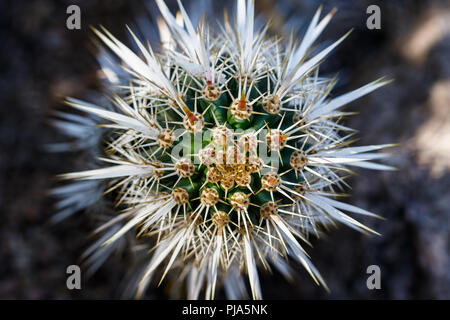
<point>225,151</point>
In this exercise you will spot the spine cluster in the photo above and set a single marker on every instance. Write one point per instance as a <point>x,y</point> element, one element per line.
<point>225,151</point>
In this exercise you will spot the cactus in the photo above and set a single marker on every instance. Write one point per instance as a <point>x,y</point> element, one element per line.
<point>225,152</point>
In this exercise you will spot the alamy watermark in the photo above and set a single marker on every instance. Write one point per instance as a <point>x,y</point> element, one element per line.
<point>374,20</point>
<point>73,21</point>
<point>74,279</point>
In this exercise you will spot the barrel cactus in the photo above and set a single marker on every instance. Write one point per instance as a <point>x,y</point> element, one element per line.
<point>224,152</point>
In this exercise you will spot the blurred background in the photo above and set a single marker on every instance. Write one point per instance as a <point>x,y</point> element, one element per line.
<point>42,61</point>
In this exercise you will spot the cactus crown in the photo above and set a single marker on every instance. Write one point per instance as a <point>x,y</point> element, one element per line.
<point>226,149</point>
